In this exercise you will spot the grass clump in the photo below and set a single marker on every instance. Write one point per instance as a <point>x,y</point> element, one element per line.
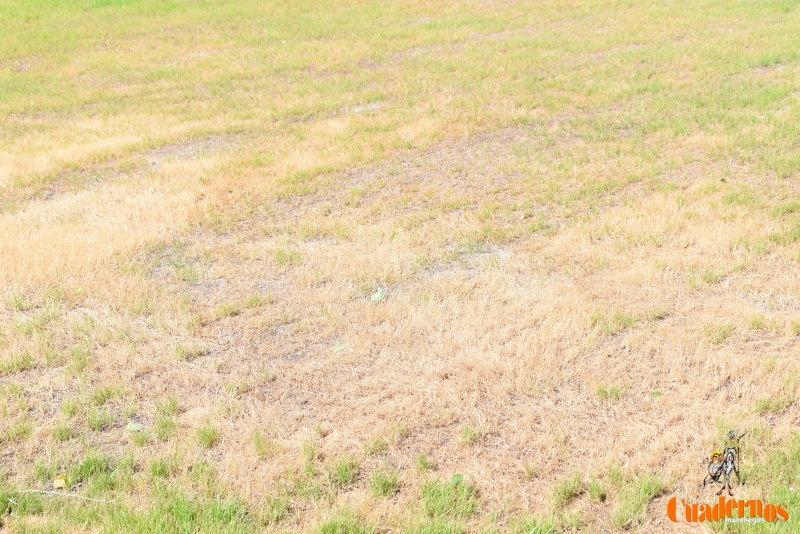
<point>165,424</point>
<point>717,334</point>
<point>228,309</point>
<point>99,420</point>
<point>188,353</point>
<point>384,483</point>
<point>63,431</point>
<point>274,510</point>
<point>18,301</point>
<point>596,490</point>
<point>454,499</point>
<point>164,467</point>
<point>264,446</point>
<point>374,445</point>
<point>70,407</point>
<point>399,430</point>
<point>615,475</point>
<point>424,463</point>
<point>343,472</point>
<point>345,522</point>
<point>758,322</point>
<point>207,435</point>
<point>18,431</point>
<point>795,327</point>
<point>711,275</point>
<point>633,500</point>
<point>470,435</point>
<point>565,490</point>
<point>78,360</point>
<point>609,393</point>
<point>284,257</point>
<point>16,363</point>
<point>530,525</point>
<point>254,301</point>
<point>103,394</point>
<point>616,322</point>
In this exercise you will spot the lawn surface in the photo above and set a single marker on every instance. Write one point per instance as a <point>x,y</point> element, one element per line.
<point>370,267</point>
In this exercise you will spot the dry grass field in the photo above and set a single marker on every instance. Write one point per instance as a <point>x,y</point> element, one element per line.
<point>371,267</point>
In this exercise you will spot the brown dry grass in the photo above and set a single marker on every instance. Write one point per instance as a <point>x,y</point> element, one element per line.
<point>524,269</point>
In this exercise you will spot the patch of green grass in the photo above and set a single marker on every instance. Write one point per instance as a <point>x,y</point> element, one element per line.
<point>18,301</point>
<point>711,275</point>
<point>633,500</point>
<point>424,463</point>
<point>102,394</point>
<point>207,435</point>
<point>374,445</point>
<point>70,407</point>
<point>717,334</point>
<point>777,473</point>
<point>284,257</point>
<point>63,431</point>
<point>655,314</point>
<point>399,430</point>
<point>175,511</point>
<point>596,490</point>
<point>618,321</point>
<point>795,327</point>
<point>310,451</point>
<point>254,301</point>
<point>17,431</point>
<point>188,353</point>
<point>609,393</point>
<point>16,362</point>
<point>528,525</point>
<point>615,475</point>
<point>455,499</point>
<point>470,435</point>
<point>98,419</point>
<point>565,490</point>
<point>343,472</point>
<point>384,483</point>
<point>228,309</point>
<point>623,320</point>
<point>164,466</point>
<point>165,425</point>
<point>758,322</point>
<point>531,471</point>
<point>274,509</point>
<point>345,522</point>
<point>94,464</point>
<point>78,360</point>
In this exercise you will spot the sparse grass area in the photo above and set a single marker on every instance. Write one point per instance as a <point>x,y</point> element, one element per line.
<point>424,463</point>
<point>207,435</point>
<point>561,203</point>
<point>455,499</point>
<point>343,472</point>
<point>384,483</point>
<point>609,393</point>
<point>718,333</point>
<point>633,500</point>
<point>189,352</point>
<point>565,490</point>
<point>374,445</point>
<point>98,419</point>
<point>470,435</point>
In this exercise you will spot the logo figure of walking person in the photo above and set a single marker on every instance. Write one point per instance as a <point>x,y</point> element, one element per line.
<point>722,464</point>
